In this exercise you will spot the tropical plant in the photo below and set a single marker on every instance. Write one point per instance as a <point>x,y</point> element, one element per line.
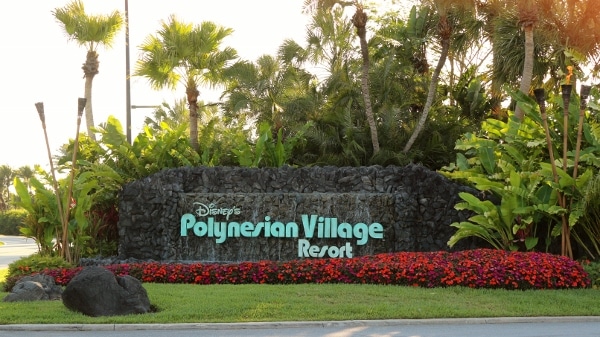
<point>272,90</point>
<point>341,133</point>
<point>514,163</point>
<point>189,55</point>
<point>587,232</point>
<point>400,77</point>
<point>44,220</point>
<point>534,41</point>
<point>505,172</point>
<point>152,150</point>
<point>452,16</point>
<point>90,31</point>
<point>359,20</point>
<point>94,185</point>
<point>173,116</point>
<point>266,151</point>
<point>527,19</point>
<point>25,173</point>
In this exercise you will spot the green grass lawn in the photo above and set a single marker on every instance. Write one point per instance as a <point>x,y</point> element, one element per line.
<point>186,303</point>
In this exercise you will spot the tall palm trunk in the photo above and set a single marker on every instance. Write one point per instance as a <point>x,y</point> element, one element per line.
<point>527,19</point>
<point>527,65</point>
<point>192,98</point>
<point>445,32</point>
<point>90,69</point>
<point>360,22</point>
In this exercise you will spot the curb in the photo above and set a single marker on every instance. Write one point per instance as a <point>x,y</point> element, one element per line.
<point>291,324</point>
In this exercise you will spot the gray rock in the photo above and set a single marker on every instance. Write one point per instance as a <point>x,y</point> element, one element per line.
<point>34,288</point>
<point>414,204</point>
<point>96,291</point>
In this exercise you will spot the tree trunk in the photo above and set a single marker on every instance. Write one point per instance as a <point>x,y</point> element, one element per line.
<point>360,20</point>
<point>90,69</point>
<point>192,97</point>
<point>430,94</point>
<point>527,66</point>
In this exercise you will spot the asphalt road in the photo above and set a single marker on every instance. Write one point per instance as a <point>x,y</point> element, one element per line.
<point>14,248</point>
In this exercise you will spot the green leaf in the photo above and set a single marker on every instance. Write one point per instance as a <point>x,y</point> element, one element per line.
<point>474,204</point>
<point>485,184</point>
<point>554,209</point>
<point>487,157</point>
<point>461,162</point>
<point>543,194</point>
<point>564,179</point>
<point>23,193</point>
<point>530,242</point>
<point>514,153</point>
<point>467,229</point>
<point>515,179</point>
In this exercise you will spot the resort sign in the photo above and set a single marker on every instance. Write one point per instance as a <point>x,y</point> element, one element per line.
<point>204,223</point>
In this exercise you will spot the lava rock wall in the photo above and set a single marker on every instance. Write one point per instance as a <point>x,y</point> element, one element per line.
<point>233,214</point>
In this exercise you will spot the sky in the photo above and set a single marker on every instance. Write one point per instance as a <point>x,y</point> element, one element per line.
<point>40,64</point>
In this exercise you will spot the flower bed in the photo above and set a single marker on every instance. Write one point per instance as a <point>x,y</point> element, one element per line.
<point>480,268</point>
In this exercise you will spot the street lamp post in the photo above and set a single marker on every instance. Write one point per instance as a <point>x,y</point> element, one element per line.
<point>127,75</point>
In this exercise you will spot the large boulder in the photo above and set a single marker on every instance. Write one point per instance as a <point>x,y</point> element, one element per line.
<point>34,288</point>
<point>96,291</point>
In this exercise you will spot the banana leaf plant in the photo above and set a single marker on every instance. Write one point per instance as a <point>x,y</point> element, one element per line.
<point>509,163</point>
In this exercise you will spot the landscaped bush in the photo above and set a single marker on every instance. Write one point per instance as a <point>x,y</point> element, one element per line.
<point>11,220</point>
<point>481,268</point>
<point>593,270</point>
<point>32,264</point>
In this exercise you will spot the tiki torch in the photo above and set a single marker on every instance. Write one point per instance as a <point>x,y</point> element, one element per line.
<point>584,93</point>
<point>540,98</point>
<point>40,109</point>
<point>80,106</point>
<point>566,96</point>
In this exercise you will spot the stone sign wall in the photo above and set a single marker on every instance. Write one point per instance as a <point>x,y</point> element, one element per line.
<point>232,214</point>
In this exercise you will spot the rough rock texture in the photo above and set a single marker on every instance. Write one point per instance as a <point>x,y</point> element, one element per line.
<point>414,204</point>
<point>96,291</point>
<point>34,288</point>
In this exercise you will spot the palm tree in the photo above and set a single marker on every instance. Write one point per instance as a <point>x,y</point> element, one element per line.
<point>340,135</point>
<point>359,20</point>
<point>172,116</point>
<point>184,54</point>
<point>527,20</point>
<point>7,174</point>
<point>534,41</point>
<point>573,30</point>
<point>269,90</point>
<point>25,173</point>
<point>448,12</point>
<point>90,31</point>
